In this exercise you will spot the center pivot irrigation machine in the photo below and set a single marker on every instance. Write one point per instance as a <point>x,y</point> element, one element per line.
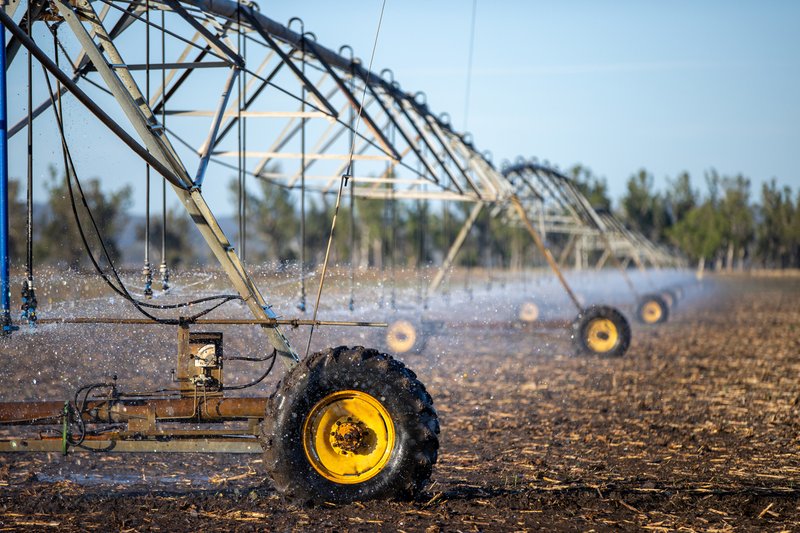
<point>345,423</point>
<point>563,209</point>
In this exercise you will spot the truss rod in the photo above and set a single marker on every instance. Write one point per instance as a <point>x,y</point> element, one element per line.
<point>454,248</point>
<point>137,111</point>
<point>295,322</point>
<point>544,250</point>
<point>83,98</point>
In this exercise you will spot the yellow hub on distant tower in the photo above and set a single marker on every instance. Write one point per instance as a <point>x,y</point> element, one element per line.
<point>651,312</point>
<point>528,312</point>
<point>601,335</point>
<point>401,336</point>
<point>348,437</point>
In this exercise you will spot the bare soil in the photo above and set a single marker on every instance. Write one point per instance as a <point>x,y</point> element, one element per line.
<point>696,428</point>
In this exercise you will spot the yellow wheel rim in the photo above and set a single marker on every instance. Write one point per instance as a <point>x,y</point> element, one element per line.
<point>528,312</point>
<point>651,312</point>
<point>601,335</point>
<point>348,437</point>
<point>401,336</point>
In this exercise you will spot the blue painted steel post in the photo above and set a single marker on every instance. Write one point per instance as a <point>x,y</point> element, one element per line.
<point>5,290</point>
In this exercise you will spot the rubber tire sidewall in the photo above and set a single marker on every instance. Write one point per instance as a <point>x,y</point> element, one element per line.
<point>652,298</point>
<point>379,375</point>
<point>670,294</point>
<point>601,311</point>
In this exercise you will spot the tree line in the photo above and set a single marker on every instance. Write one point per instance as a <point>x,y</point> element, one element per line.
<point>724,225</point>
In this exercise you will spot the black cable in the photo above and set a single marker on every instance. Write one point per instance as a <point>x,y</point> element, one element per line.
<point>29,221</point>
<point>28,295</point>
<point>272,357</point>
<point>120,290</point>
<point>302,305</point>
<point>250,359</point>
<point>393,223</point>
<point>163,269</point>
<point>244,105</point>
<point>68,164</point>
<point>469,63</point>
<point>240,157</point>
<point>80,409</point>
<point>351,170</point>
<point>147,273</point>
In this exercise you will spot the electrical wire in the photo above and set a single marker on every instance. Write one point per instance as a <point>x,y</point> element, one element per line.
<point>351,302</point>
<point>302,303</point>
<point>28,295</point>
<point>261,378</point>
<point>244,105</point>
<point>343,182</point>
<point>78,408</point>
<point>240,161</point>
<point>121,289</point>
<point>29,219</point>
<point>163,268</point>
<point>469,63</point>
<point>148,276</point>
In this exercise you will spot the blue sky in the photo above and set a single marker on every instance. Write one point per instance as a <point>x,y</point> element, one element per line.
<point>616,86</point>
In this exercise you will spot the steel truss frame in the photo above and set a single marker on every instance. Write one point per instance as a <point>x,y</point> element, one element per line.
<point>568,211</point>
<point>390,146</point>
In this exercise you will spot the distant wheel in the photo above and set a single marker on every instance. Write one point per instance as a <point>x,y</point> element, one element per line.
<point>669,297</point>
<point>350,424</point>
<point>528,312</point>
<point>402,337</point>
<point>652,309</point>
<point>601,330</point>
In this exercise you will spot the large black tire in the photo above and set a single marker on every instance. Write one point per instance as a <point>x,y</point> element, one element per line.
<point>292,410</point>
<point>601,330</point>
<point>653,309</point>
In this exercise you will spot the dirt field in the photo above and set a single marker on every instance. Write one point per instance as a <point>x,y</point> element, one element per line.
<point>696,428</point>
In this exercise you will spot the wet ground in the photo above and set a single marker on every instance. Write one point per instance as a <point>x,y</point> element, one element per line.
<point>696,428</point>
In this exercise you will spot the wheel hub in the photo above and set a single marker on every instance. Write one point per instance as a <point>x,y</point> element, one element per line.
<point>528,312</point>
<point>348,435</point>
<point>601,335</point>
<point>401,336</point>
<point>651,312</point>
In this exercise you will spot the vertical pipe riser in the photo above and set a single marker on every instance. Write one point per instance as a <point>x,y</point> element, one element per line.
<point>5,291</point>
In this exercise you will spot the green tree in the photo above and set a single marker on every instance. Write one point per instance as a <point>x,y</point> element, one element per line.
<point>777,236</point>
<point>419,225</point>
<point>794,234</point>
<point>737,217</point>
<point>643,208</point>
<point>680,197</point>
<point>371,231</point>
<point>273,225</point>
<point>699,233</point>
<point>60,241</point>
